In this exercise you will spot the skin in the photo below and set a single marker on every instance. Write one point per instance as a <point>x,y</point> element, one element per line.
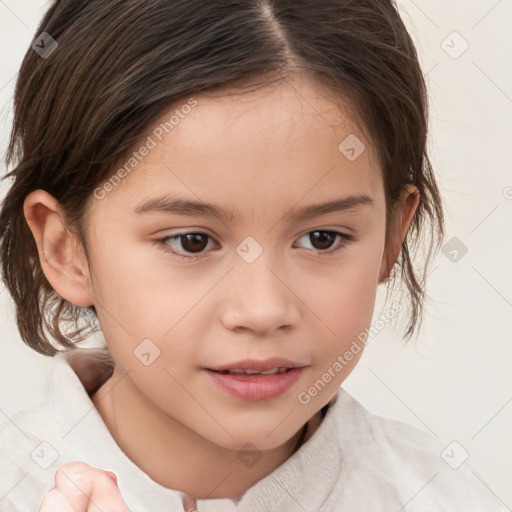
<point>83,488</point>
<point>263,153</point>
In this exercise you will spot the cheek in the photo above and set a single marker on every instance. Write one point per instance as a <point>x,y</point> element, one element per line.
<point>343,299</point>
<point>136,290</point>
<point>151,312</point>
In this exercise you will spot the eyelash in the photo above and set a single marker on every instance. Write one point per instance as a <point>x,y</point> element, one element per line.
<point>162,243</point>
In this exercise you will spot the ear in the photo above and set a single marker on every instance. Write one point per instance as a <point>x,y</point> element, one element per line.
<point>402,216</point>
<point>61,255</point>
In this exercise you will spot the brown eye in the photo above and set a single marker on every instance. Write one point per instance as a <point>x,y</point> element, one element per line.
<point>192,242</point>
<point>322,240</point>
<point>194,245</point>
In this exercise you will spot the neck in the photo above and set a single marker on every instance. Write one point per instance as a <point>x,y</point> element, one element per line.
<point>175,456</point>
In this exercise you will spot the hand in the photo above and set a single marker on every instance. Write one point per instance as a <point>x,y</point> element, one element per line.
<point>80,487</point>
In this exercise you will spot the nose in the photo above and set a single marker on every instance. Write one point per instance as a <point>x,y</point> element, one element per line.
<point>260,298</point>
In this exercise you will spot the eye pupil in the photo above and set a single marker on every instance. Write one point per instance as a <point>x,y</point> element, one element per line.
<point>322,237</point>
<point>192,242</point>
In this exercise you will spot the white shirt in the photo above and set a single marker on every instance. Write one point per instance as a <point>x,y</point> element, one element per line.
<point>354,462</point>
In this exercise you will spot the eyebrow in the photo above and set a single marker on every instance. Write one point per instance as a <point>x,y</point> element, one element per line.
<point>180,206</point>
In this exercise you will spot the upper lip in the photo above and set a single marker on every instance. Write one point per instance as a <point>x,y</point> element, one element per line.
<point>259,365</point>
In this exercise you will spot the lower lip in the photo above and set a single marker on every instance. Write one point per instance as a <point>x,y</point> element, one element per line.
<point>256,388</point>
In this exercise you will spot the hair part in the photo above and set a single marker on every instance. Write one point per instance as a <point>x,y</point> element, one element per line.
<point>120,64</point>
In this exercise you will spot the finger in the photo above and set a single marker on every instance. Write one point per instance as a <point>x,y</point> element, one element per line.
<point>75,481</point>
<point>90,489</point>
<point>55,500</point>
<point>112,475</point>
<point>106,495</point>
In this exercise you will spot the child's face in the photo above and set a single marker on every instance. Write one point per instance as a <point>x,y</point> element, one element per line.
<point>262,155</point>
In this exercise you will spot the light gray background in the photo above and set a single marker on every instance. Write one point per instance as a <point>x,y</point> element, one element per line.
<point>456,381</point>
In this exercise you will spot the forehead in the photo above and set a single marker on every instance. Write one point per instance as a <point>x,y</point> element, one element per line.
<point>254,149</point>
<point>264,119</point>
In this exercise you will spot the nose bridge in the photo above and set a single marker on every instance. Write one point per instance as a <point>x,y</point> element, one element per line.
<point>259,276</point>
<point>254,264</point>
<point>259,298</point>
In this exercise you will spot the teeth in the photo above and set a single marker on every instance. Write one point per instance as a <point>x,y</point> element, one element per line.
<point>272,371</point>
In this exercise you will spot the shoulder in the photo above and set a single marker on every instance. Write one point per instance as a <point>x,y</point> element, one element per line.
<point>26,459</point>
<point>33,444</point>
<point>412,465</point>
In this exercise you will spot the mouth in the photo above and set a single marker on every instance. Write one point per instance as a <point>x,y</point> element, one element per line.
<point>255,386</point>
<point>267,366</point>
<point>242,371</point>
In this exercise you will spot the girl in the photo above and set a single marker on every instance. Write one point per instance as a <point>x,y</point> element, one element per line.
<point>286,141</point>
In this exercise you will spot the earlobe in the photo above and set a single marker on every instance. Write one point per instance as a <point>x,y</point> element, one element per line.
<point>403,215</point>
<point>60,255</point>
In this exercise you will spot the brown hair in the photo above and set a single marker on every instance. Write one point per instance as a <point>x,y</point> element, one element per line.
<point>120,64</point>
